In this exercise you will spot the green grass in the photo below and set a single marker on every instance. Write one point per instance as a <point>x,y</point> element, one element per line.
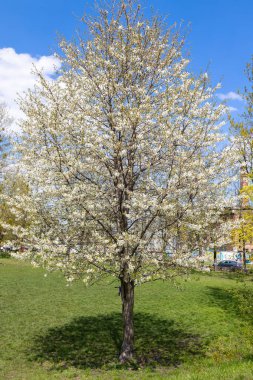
<point>202,330</point>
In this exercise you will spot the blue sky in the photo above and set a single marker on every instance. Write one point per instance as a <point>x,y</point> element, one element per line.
<point>220,38</point>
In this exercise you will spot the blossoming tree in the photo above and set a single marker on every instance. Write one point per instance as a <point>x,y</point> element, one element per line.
<point>243,130</point>
<point>121,149</point>
<point>243,143</point>
<point>4,150</point>
<point>4,122</point>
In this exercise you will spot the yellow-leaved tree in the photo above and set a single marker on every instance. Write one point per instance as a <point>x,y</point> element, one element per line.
<point>243,130</point>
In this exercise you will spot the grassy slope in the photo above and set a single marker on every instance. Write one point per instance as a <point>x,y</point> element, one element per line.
<point>51,331</point>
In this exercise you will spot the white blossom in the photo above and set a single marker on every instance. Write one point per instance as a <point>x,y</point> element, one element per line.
<point>123,156</point>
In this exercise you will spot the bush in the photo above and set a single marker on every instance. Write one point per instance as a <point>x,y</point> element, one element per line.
<point>4,254</point>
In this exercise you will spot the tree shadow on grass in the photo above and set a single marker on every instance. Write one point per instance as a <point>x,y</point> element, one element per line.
<point>236,301</point>
<point>236,343</point>
<point>222,298</point>
<point>94,342</point>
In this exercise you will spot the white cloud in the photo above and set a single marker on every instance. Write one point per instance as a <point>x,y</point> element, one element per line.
<point>16,75</point>
<point>232,109</point>
<point>230,96</point>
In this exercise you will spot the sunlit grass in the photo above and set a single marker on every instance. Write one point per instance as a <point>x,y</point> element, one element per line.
<point>201,330</point>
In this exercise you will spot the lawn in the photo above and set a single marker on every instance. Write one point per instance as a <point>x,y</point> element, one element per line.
<point>202,329</point>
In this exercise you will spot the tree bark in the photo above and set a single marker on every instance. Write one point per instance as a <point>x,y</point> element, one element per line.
<point>215,258</point>
<point>244,255</point>
<point>127,297</point>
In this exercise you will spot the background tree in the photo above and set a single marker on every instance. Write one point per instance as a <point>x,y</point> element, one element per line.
<point>243,143</point>
<point>243,233</point>
<point>4,150</point>
<point>243,128</point>
<point>118,151</point>
<point>4,143</point>
<point>12,185</point>
<point>13,217</point>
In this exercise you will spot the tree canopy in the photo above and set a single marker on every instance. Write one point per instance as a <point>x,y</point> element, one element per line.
<point>121,152</point>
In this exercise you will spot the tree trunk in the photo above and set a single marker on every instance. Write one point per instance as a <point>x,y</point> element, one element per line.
<point>127,296</point>
<point>215,258</point>
<point>244,255</point>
